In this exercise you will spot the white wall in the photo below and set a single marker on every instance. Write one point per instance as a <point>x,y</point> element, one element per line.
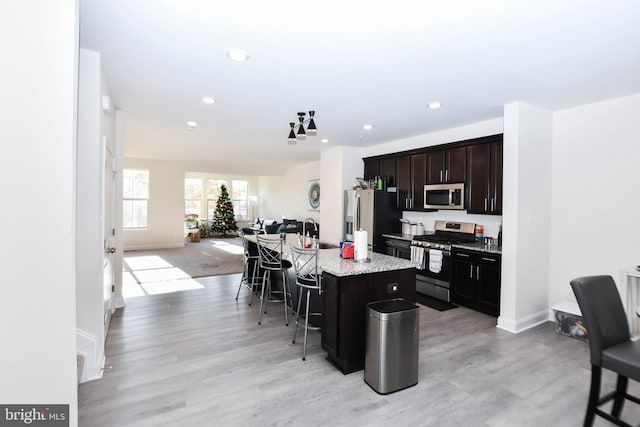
<point>461,133</point>
<point>527,180</point>
<point>39,45</point>
<point>596,193</point>
<point>339,168</point>
<point>95,127</point>
<point>286,195</point>
<point>166,201</point>
<point>491,223</point>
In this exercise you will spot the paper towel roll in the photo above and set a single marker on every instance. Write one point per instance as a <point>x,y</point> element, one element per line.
<point>360,244</point>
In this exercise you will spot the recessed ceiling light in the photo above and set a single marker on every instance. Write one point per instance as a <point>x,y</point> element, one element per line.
<point>324,140</point>
<point>367,127</point>
<point>237,55</point>
<point>191,124</point>
<point>208,100</point>
<point>435,105</point>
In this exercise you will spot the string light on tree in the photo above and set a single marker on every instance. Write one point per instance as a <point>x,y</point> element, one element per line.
<point>223,218</point>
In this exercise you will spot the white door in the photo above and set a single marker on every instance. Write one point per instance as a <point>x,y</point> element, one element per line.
<point>109,234</point>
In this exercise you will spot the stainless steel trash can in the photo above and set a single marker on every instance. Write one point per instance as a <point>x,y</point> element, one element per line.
<point>391,358</point>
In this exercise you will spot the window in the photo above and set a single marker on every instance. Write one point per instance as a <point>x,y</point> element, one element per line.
<point>193,196</point>
<point>239,197</point>
<point>201,196</point>
<point>213,191</point>
<point>135,203</point>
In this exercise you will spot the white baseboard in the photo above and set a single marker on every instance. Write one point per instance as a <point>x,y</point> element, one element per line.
<point>516,326</point>
<point>118,302</point>
<point>93,353</point>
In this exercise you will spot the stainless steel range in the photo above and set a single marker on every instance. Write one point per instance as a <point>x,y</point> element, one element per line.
<point>432,252</point>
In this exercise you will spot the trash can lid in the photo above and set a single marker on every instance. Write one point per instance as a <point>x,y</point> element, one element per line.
<point>392,305</point>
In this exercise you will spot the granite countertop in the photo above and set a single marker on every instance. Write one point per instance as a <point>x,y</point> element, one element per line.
<point>479,247</point>
<point>329,260</point>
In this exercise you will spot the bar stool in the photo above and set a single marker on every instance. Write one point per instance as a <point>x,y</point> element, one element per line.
<point>270,252</point>
<point>305,264</point>
<point>250,264</point>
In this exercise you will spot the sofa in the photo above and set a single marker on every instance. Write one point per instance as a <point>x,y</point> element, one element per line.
<point>287,226</point>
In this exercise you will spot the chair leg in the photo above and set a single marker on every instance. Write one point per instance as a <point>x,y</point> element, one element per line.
<point>267,278</point>
<point>297,314</point>
<point>306,328</point>
<point>253,281</point>
<point>594,395</point>
<point>618,401</point>
<point>264,282</point>
<point>243,277</point>
<point>284,296</point>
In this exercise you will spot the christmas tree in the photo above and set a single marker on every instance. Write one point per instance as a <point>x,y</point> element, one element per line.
<point>223,218</point>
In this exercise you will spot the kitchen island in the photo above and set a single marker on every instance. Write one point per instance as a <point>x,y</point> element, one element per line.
<point>347,287</point>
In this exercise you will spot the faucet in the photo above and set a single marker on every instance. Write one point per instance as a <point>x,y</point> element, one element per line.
<point>304,226</point>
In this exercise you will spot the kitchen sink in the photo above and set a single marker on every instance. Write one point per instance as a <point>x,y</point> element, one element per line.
<point>324,245</point>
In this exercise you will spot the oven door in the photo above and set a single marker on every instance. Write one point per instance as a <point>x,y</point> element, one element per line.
<point>434,281</point>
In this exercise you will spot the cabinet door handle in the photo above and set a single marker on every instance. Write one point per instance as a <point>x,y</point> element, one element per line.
<point>485,204</point>
<point>446,175</point>
<point>471,272</point>
<point>489,259</point>
<point>492,205</point>
<point>406,203</point>
<point>440,175</point>
<point>464,255</point>
<point>478,272</point>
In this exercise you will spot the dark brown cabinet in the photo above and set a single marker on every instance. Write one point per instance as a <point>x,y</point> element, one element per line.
<point>476,162</point>
<point>345,308</point>
<point>418,179</point>
<point>484,178</point>
<point>387,170</point>
<point>411,171</point>
<point>403,181</point>
<point>447,165</point>
<point>371,168</point>
<point>476,281</point>
<point>384,167</point>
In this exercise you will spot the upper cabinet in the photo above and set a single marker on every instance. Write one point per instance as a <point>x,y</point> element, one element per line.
<point>418,179</point>
<point>403,182</point>
<point>371,168</point>
<point>475,162</point>
<point>447,165</point>
<point>384,167</point>
<point>484,178</point>
<point>411,173</point>
<point>387,170</point>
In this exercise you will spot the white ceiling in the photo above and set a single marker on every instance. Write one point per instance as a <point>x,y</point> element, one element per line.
<point>353,62</point>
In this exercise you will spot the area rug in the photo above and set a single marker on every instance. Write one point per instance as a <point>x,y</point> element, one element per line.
<point>434,303</point>
<point>208,257</point>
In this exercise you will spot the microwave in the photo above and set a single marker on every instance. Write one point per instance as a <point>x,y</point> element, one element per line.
<point>444,196</point>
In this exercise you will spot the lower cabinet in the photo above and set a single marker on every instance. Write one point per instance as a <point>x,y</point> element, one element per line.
<point>345,311</point>
<point>476,281</point>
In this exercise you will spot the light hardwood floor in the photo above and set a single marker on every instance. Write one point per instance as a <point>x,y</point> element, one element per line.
<point>199,358</point>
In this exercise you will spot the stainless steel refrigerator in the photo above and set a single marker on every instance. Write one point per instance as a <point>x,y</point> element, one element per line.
<point>374,211</point>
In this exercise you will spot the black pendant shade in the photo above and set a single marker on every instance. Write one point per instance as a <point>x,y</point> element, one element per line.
<point>301,133</point>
